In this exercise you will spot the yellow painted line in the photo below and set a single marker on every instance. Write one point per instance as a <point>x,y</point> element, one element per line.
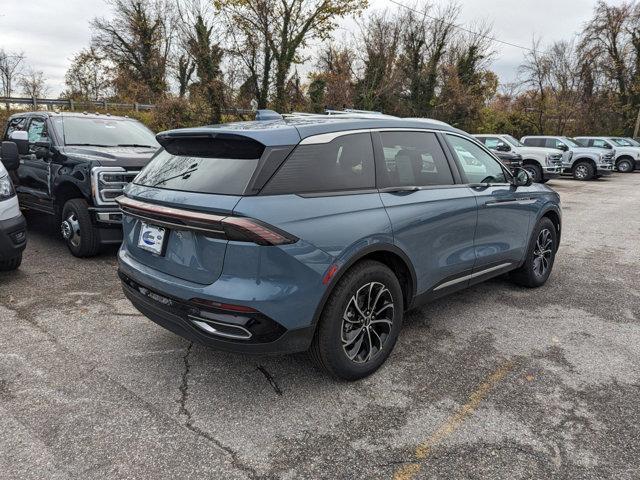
<point>409,471</point>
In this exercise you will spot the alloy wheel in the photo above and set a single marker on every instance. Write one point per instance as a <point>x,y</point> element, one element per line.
<point>71,230</point>
<point>582,172</point>
<point>367,322</point>
<point>542,252</point>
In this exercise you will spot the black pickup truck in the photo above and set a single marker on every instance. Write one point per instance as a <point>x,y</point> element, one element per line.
<point>72,166</point>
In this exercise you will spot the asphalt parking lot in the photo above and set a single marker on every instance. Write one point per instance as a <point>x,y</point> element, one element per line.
<point>493,382</point>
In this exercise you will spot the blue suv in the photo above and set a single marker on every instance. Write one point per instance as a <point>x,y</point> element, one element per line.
<point>318,232</point>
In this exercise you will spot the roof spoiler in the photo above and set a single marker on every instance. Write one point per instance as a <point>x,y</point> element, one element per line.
<point>210,144</point>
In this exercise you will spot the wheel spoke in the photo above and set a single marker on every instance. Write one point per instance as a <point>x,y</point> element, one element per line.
<point>388,305</point>
<point>355,334</point>
<point>382,321</point>
<point>379,339</point>
<point>380,293</point>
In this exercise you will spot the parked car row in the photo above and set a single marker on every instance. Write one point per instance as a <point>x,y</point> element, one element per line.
<point>585,158</point>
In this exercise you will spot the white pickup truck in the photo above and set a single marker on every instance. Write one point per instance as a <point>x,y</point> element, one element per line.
<point>542,163</point>
<point>13,232</point>
<point>627,156</point>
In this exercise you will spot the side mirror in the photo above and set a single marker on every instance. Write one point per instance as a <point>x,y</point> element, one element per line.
<point>21,139</point>
<point>10,157</point>
<point>522,178</point>
<point>562,147</point>
<point>42,149</point>
<point>503,148</point>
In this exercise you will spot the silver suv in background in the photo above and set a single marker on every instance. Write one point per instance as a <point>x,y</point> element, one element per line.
<point>543,164</point>
<point>627,155</point>
<point>582,162</point>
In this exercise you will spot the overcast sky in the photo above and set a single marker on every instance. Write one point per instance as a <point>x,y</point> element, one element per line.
<point>51,32</point>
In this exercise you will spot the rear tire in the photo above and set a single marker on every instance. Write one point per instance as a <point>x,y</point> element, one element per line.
<point>583,171</point>
<point>535,171</point>
<point>625,165</point>
<point>78,230</point>
<point>540,256</point>
<point>11,263</point>
<point>360,322</point>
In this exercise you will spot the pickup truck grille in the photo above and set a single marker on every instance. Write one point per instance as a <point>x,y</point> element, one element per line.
<point>109,182</point>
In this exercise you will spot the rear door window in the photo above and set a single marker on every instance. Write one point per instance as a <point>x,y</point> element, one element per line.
<point>344,164</point>
<point>413,159</point>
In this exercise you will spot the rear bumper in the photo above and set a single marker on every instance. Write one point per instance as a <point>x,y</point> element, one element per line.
<point>13,237</point>
<point>176,321</point>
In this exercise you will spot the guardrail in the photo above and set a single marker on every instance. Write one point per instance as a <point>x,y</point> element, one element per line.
<point>73,104</point>
<point>93,104</point>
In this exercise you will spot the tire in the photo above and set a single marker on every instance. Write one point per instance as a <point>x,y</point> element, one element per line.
<point>625,165</point>
<point>339,346</point>
<point>11,263</point>
<point>78,230</point>
<point>530,274</point>
<point>535,171</point>
<point>583,171</point>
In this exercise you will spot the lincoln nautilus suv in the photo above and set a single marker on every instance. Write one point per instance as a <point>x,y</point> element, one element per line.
<point>317,233</point>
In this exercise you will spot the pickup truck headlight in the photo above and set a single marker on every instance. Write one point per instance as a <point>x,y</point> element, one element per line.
<point>107,184</point>
<point>6,187</point>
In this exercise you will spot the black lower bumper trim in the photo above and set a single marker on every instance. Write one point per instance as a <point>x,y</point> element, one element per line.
<point>13,237</point>
<point>291,341</point>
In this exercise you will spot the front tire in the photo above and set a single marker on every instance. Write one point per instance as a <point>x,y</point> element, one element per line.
<point>583,171</point>
<point>360,322</point>
<point>78,230</point>
<point>625,165</point>
<point>541,256</point>
<point>535,171</point>
<point>10,264</point>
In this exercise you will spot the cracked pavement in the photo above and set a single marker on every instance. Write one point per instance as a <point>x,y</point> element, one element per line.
<point>493,382</point>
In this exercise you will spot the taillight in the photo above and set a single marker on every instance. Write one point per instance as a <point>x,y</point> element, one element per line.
<point>249,230</point>
<point>240,229</point>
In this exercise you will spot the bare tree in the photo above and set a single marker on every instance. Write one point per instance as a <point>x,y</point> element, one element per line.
<point>11,68</point>
<point>34,84</point>
<point>287,26</point>
<point>89,77</point>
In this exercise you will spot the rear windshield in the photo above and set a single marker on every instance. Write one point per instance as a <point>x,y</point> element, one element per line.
<point>226,176</point>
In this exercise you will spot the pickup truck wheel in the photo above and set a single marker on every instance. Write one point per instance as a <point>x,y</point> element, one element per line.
<point>540,256</point>
<point>625,165</point>
<point>11,263</point>
<point>535,171</point>
<point>77,229</point>
<point>360,322</point>
<point>583,171</point>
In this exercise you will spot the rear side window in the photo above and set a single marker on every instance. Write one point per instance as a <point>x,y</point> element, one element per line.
<point>535,142</point>
<point>346,163</point>
<point>226,176</point>
<point>413,159</point>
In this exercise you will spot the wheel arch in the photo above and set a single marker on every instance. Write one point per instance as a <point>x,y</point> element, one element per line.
<point>553,213</point>
<point>387,254</point>
<point>582,160</point>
